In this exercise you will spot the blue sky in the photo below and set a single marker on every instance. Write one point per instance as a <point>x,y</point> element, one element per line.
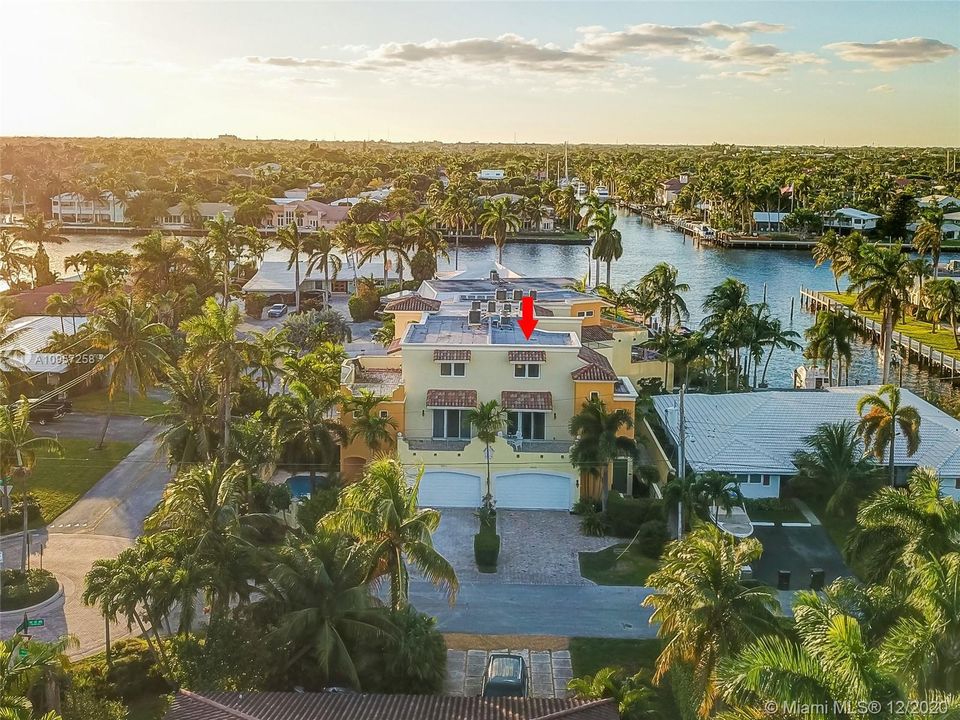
<point>845,73</point>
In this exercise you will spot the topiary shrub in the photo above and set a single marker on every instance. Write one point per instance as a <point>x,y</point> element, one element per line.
<point>486,550</point>
<point>412,660</point>
<point>626,515</point>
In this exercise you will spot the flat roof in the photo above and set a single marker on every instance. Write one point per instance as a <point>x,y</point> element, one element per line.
<point>758,432</point>
<point>455,330</point>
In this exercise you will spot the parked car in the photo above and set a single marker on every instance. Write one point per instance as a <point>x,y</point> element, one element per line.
<point>276,311</point>
<point>48,410</point>
<point>505,676</point>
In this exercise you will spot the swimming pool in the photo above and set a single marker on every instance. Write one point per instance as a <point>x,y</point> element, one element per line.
<point>300,486</point>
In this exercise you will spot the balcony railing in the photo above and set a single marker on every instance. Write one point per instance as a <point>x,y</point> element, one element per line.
<point>540,446</point>
<point>423,444</point>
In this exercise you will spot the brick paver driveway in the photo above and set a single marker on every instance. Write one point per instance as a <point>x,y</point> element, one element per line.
<point>548,671</point>
<point>537,547</point>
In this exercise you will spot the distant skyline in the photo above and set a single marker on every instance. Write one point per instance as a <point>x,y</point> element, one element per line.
<point>757,73</point>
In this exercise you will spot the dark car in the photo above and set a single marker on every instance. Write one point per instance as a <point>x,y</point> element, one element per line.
<point>48,410</point>
<point>505,676</point>
<point>278,310</point>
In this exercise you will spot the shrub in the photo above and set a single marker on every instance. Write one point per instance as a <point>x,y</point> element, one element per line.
<point>309,328</point>
<point>134,672</point>
<point>81,703</point>
<point>13,520</point>
<point>486,550</point>
<point>411,661</point>
<point>594,523</point>
<point>23,589</point>
<point>236,654</point>
<point>585,505</point>
<point>626,515</point>
<point>254,303</point>
<point>684,690</point>
<point>319,504</point>
<point>652,536</point>
<point>363,306</point>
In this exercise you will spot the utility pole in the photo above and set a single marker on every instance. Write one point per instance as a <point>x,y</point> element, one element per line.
<point>681,458</point>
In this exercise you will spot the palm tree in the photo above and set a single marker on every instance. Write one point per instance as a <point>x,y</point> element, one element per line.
<point>721,490</point>
<point>833,462</point>
<point>381,238</point>
<point>776,337</point>
<point>608,245</point>
<point>320,252</point>
<point>18,452</point>
<point>878,427</point>
<point>39,232</point>
<point>497,220</point>
<point>158,261</point>
<point>190,416</point>
<point>290,239</point>
<point>883,281</point>
<point>14,258</point>
<point>929,236</point>
<point>831,248</point>
<point>894,526</point>
<point>380,510</point>
<point>565,200</point>
<point>488,420</point>
<point>227,238</point>
<point>319,590</point>
<point>659,288</point>
<point>631,694</point>
<point>211,339</point>
<point>24,664</point>
<point>942,298</point>
<point>375,429</point>
<point>704,610</point>
<point>60,304</point>
<point>598,442</point>
<point>267,350</point>
<point>828,338</point>
<point>132,342</point>
<point>457,212</point>
<point>684,492</point>
<point>305,428</point>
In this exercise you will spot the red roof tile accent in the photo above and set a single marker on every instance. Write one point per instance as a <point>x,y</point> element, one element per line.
<point>527,356</point>
<point>393,347</point>
<point>413,303</point>
<point>595,333</point>
<point>524,400</point>
<point>452,398</point>
<point>335,706</point>
<point>452,355</point>
<point>597,369</point>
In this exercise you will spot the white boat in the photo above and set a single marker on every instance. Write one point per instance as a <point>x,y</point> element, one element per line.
<point>580,187</point>
<point>601,192</point>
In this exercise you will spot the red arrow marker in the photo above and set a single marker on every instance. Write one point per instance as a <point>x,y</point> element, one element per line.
<point>527,321</point>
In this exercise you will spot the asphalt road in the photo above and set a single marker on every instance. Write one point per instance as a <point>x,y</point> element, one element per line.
<point>131,428</point>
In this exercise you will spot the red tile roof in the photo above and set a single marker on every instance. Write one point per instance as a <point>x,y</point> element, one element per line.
<point>452,355</point>
<point>34,300</point>
<point>525,400</point>
<point>452,398</point>
<point>338,706</point>
<point>595,333</point>
<point>413,303</point>
<point>527,356</point>
<point>393,347</point>
<point>597,369</point>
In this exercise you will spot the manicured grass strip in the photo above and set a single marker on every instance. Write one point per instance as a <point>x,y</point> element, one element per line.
<point>96,402</point>
<point>917,329</point>
<point>58,482</point>
<point>783,512</point>
<point>604,568</point>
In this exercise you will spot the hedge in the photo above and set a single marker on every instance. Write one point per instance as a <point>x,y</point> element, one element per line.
<point>13,520</point>
<point>626,515</point>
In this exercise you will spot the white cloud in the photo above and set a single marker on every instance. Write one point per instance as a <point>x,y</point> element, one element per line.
<point>882,89</point>
<point>892,54</point>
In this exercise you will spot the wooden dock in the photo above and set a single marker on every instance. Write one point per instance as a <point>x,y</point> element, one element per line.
<point>911,349</point>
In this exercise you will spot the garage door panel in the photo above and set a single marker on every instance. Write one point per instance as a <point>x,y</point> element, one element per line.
<point>533,491</point>
<point>439,488</point>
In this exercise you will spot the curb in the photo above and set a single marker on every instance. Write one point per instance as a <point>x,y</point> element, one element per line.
<point>14,614</point>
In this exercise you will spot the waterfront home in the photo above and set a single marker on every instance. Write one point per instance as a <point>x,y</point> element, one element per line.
<point>944,201</point>
<point>75,208</point>
<point>308,215</point>
<point>457,343</point>
<point>754,435</point>
<point>546,223</point>
<point>950,230</point>
<point>25,353</point>
<point>769,221</point>
<point>846,220</point>
<point>177,217</point>
<point>490,174</point>
<point>276,277</point>
<point>669,190</point>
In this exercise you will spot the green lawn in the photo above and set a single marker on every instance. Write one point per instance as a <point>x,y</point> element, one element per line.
<point>917,329</point>
<point>604,567</point>
<point>784,511</point>
<point>58,482</point>
<point>96,402</point>
<point>587,655</point>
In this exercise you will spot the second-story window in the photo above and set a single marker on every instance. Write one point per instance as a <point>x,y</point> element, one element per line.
<point>453,369</point>
<point>526,370</point>
<point>585,313</point>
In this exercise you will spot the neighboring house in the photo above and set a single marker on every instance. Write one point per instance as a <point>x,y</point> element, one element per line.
<point>308,215</point>
<point>33,301</point>
<point>296,193</point>
<point>753,436</point>
<point>189,705</point>
<point>378,195</point>
<point>669,190</point>
<point>850,219</point>
<point>950,227</point>
<point>457,343</point>
<point>33,334</point>
<point>74,208</point>
<point>276,277</point>
<point>769,221</point>
<point>944,201</point>
<point>175,219</point>
<point>491,174</point>
<point>546,211</point>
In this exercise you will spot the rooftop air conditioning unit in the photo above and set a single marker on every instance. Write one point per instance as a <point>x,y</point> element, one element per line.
<point>501,295</point>
<point>475,305</point>
<point>533,294</point>
<point>494,275</point>
<point>492,307</point>
<point>518,294</point>
<point>506,309</point>
<point>473,317</point>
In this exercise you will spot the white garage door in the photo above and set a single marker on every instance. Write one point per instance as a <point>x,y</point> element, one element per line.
<point>536,491</point>
<point>449,489</point>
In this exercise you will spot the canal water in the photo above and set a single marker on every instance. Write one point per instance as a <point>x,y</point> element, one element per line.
<point>645,245</point>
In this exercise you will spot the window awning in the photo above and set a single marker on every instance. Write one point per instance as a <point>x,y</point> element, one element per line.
<point>529,356</point>
<point>451,355</point>
<point>452,398</point>
<point>522,400</point>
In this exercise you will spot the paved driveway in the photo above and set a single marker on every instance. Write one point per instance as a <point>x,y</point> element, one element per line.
<point>797,549</point>
<point>537,547</point>
<point>548,671</point>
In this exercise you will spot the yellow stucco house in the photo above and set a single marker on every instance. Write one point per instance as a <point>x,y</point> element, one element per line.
<point>457,343</point>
